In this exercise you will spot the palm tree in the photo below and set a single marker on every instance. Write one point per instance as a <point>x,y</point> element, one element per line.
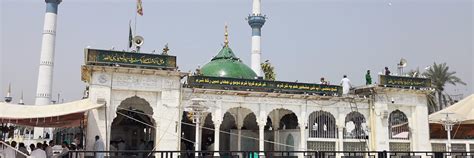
<point>440,76</point>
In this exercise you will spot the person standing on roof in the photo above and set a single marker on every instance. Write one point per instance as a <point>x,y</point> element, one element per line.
<point>346,85</point>
<point>368,78</point>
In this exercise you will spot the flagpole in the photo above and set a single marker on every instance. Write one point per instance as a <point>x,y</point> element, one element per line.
<point>129,29</point>
<point>135,27</point>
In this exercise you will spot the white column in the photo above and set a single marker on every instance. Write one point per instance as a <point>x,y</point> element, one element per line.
<point>380,128</point>
<point>421,136</point>
<point>261,121</point>
<point>256,53</point>
<point>256,7</point>
<point>239,137</point>
<point>275,125</point>
<point>217,119</point>
<point>302,140</point>
<point>448,145</point>
<point>45,72</point>
<point>468,148</point>
<point>261,137</point>
<point>197,144</point>
<point>340,139</point>
<point>217,132</point>
<point>276,135</point>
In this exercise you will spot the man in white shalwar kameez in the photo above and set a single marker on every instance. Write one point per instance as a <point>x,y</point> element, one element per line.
<point>99,146</point>
<point>346,85</point>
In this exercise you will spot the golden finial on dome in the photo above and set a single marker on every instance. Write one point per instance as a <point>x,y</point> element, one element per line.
<point>226,35</point>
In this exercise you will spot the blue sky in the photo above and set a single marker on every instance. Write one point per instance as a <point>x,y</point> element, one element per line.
<point>303,39</point>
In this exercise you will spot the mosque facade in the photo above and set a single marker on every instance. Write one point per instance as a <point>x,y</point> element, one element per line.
<point>236,109</point>
<point>148,98</point>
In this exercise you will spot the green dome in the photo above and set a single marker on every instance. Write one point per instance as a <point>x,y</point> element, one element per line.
<point>226,64</point>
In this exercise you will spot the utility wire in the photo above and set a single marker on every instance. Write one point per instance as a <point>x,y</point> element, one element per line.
<point>151,126</point>
<point>212,129</point>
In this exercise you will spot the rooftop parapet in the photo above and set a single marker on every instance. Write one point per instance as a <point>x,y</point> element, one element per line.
<point>404,82</point>
<point>129,59</point>
<point>224,83</point>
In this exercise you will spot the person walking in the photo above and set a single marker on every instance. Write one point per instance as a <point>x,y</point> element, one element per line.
<point>99,146</point>
<point>346,85</point>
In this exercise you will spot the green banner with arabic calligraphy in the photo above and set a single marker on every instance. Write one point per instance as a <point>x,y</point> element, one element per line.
<point>404,81</point>
<point>96,56</point>
<point>261,85</point>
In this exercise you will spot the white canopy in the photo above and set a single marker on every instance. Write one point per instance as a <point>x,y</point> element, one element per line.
<point>462,111</point>
<point>55,115</point>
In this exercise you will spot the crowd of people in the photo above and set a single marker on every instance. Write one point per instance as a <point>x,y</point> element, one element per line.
<point>121,145</point>
<point>39,150</point>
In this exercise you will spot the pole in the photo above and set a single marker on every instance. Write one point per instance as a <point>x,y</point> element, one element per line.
<point>135,27</point>
<point>197,142</point>
<point>448,126</point>
<point>448,145</point>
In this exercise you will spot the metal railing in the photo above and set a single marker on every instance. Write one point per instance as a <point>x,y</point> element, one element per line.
<point>270,154</point>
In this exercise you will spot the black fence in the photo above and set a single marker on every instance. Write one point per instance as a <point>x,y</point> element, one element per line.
<point>267,154</point>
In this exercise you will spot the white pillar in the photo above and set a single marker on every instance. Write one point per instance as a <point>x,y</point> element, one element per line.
<point>256,7</point>
<point>239,137</point>
<point>261,121</point>
<point>45,72</point>
<point>217,119</point>
<point>275,125</point>
<point>302,140</point>
<point>261,137</point>
<point>340,139</point>
<point>217,132</point>
<point>468,148</point>
<point>256,53</point>
<point>448,145</point>
<point>197,145</point>
<point>276,135</point>
<point>256,22</point>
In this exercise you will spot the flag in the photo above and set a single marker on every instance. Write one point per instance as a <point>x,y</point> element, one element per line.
<point>130,36</point>
<point>139,7</point>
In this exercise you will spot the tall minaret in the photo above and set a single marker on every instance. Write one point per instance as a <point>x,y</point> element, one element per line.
<point>256,21</point>
<point>45,74</point>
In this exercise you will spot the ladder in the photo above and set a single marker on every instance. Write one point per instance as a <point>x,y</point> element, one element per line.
<point>354,108</point>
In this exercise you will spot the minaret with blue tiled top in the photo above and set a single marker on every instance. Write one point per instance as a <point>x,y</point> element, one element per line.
<point>256,21</point>
<point>45,73</point>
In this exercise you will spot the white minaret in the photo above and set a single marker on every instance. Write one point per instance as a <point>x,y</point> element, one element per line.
<point>9,98</point>
<point>256,21</point>
<point>21,99</point>
<point>45,74</point>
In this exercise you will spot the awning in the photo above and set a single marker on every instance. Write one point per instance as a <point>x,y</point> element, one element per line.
<point>56,115</point>
<point>462,112</point>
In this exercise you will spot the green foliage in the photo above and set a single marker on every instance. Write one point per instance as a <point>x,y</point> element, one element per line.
<point>268,71</point>
<point>440,76</point>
